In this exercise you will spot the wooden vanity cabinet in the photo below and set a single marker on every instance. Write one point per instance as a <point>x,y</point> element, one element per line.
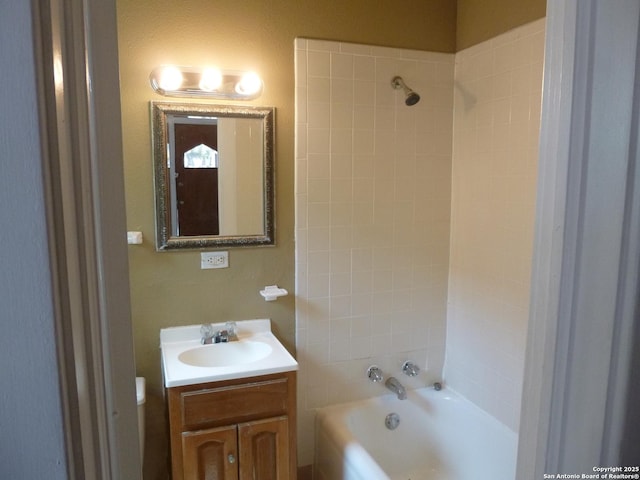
<point>242,429</point>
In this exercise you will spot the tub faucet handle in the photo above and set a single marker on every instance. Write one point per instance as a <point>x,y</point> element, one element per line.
<point>374,374</point>
<point>409,368</point>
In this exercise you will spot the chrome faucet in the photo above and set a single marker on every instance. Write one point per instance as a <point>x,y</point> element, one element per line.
<point>396,387</point>
<point>227,334</point>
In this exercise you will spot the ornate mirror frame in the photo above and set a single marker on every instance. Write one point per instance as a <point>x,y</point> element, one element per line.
<point>165,240</point>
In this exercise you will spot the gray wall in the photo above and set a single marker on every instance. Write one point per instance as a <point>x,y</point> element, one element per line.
<point>30,410</point>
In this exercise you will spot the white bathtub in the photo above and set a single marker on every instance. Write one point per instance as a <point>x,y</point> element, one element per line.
<point>441,436</point>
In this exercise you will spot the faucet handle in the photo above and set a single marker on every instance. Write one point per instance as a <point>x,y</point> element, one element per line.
<point>206,332</point>
<point>409,368</point>
<point>231,328</point>
<point>374,374</point>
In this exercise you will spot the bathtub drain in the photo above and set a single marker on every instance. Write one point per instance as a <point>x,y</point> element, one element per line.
<point>392,421</point>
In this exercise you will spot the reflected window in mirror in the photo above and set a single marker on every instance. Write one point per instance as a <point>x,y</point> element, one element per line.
<point>213,175</point>
<point>201,156</point>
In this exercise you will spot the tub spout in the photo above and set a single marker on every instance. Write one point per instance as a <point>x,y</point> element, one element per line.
<point>396,387</point>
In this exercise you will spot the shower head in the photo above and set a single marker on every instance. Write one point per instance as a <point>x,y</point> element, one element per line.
<point>411,97</point>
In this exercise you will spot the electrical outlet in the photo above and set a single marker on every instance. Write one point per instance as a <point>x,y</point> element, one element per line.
<point>214,260</point>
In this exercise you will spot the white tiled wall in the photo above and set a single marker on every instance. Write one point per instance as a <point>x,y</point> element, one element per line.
<point>373,179</point>
<point>375,191</point>
<point>498,86</point>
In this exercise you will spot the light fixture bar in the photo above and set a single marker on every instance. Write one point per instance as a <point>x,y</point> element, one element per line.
<point>180,81</point>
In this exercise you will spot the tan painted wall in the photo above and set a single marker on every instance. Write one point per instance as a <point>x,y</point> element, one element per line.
<point>480,20</point>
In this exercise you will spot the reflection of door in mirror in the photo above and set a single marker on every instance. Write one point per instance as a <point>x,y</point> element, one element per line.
<point>196,181</point>
<point>213,175</point>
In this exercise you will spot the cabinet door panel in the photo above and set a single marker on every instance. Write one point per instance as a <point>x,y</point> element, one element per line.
<point>264,449</point>
<point>210,454</point>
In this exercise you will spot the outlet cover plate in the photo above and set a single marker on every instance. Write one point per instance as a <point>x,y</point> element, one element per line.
<point>214,260</point>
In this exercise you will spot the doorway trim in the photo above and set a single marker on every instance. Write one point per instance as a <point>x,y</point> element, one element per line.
<point>79,109</point>
<point>584,283</point>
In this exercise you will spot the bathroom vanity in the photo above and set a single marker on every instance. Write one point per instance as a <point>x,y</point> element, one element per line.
<point>232,415</point>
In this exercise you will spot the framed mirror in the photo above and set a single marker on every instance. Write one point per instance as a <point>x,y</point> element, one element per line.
<point>213,174</point>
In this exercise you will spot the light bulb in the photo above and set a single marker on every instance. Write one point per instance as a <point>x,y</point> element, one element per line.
<point>210,80</point>
<point>249,84</point>
<point>170,78</point>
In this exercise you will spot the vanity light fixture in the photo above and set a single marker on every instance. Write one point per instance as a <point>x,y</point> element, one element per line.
<point>178,81</point>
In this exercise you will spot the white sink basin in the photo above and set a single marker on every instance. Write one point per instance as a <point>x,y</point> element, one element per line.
<point>256,352</point>
<point>225,354</point>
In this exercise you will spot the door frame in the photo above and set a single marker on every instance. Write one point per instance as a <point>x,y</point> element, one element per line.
<point>79,113</point>
<point>586,253</point>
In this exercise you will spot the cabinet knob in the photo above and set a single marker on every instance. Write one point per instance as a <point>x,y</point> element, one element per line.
<point>231,458</point>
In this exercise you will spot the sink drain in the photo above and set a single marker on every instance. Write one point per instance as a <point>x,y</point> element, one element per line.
<point>392,421</point>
